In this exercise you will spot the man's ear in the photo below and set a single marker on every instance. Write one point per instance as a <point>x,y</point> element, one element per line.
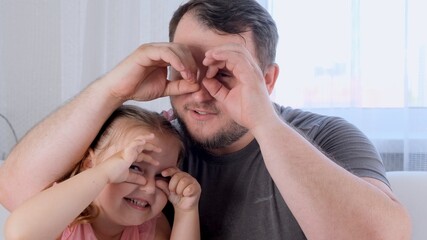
<point>88,162</point>
<point>270,76</point>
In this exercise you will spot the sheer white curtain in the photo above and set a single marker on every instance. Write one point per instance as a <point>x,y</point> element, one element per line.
<point>97,34</point>
<point>363,60</point>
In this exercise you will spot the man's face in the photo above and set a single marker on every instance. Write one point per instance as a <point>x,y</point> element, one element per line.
<point>204,118</point>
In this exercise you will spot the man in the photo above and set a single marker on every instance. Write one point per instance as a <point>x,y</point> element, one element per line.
<point>266,172</point>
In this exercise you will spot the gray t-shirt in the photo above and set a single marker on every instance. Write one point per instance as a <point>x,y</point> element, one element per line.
<point>239,199</point>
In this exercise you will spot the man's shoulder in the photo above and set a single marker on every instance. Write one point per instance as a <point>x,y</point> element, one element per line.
<point>301,118</point>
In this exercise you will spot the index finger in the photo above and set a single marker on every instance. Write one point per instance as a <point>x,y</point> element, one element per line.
<point>177,55</point>
<point>135,178</point>
<point>189,70</point>
<point>137,151</point>
<point>234,57</point>
<point>178,87</point>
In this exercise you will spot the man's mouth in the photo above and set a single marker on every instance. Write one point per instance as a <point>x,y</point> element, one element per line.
<point>201,112</point>
<point>204,111</point>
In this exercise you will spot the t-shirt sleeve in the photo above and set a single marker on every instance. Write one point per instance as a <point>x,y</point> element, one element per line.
<point>350,148</point>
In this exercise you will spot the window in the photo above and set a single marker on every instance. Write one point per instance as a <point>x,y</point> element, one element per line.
<point>365,61</point>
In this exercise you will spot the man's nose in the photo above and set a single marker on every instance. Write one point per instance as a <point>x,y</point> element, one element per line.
<point>202,95</point>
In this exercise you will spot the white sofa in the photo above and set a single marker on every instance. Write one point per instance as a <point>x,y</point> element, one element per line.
<point>410,187</point>
<point>3,215</point>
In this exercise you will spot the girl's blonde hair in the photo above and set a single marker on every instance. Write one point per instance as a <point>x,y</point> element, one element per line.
<point>108,133</point>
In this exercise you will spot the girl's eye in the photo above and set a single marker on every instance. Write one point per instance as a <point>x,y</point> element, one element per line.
<point>160,177</point>
<point>135,168</point>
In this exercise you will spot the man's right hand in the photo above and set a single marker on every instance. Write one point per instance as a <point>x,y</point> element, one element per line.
<point>142,76</point>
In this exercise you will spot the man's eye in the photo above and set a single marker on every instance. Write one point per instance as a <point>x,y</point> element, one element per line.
<point>160,177</point>
<point>222,75</point>
<point>135,168</point>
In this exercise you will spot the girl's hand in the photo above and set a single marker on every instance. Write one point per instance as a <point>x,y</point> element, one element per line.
<point>183,190</point>
<point>119,165</point>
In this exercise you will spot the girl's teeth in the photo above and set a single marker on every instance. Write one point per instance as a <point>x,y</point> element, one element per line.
<point>139,203</point>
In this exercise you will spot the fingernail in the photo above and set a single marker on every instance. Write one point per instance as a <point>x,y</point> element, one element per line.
<point>184,74</point>
<point>190,75</point>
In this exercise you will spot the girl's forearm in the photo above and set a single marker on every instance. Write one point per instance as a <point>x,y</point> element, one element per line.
<point>48,213</point>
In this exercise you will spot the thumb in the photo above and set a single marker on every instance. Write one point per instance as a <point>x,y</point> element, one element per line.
<point>215,89</point>
<point>178,87</point>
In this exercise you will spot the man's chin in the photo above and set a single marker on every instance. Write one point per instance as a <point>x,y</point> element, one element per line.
<point>219,139</point>
<point>202,140</point>
<point>209,137</point>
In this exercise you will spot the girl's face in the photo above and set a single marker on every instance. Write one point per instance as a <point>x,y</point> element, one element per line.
<point>132,204</point>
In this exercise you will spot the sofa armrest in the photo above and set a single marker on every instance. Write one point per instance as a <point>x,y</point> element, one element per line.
<point>410,187</point>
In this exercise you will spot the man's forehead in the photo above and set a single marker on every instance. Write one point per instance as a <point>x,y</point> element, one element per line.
<point>191,32</point>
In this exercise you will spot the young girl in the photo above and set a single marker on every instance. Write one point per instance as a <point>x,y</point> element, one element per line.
<point>121,186</point>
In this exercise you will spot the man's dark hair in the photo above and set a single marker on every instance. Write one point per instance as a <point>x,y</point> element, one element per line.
<point>234,17</point>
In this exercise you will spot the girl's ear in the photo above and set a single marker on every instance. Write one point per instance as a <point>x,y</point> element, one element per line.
<point>89,161</point>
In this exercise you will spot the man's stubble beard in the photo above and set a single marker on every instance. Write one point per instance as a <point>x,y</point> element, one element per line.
<point>222,138</point>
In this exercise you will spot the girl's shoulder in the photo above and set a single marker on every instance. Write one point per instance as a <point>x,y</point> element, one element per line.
<point>78,231</point>
<point>145,231</point>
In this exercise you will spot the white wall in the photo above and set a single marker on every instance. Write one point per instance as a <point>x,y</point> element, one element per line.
<point>30,85</point>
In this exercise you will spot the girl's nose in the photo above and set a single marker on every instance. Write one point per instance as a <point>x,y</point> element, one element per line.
<point>149,187</point>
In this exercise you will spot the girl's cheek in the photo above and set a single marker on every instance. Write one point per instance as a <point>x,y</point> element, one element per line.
<point>161,200</point>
